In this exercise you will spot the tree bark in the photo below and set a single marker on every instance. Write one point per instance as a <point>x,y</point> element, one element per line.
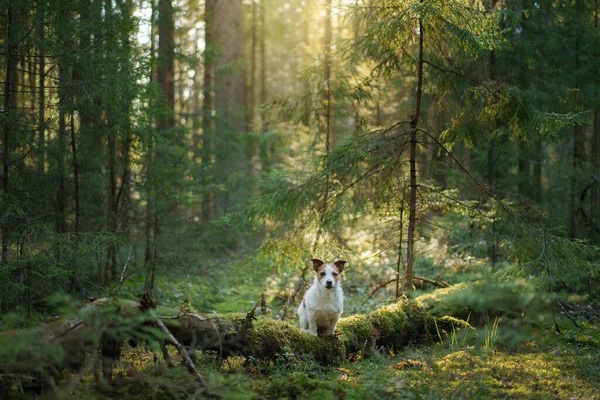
<point>412,202</point>
<point>41,36</point>
<point>207,106</point>
<point>230,88</point>
<point>578,140</point>
<point>10,105</point>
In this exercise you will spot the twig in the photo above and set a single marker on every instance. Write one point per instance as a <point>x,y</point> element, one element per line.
<point>183,353</point>
<point>377,289</point>
<point>418,278</point>
<point>568,314</point>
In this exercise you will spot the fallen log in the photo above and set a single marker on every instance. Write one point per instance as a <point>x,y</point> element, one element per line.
<point>106,324</point>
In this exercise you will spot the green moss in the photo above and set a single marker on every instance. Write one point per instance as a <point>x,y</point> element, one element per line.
<point>392,319</point>
<point>269,338</point>
<point>356,329</point>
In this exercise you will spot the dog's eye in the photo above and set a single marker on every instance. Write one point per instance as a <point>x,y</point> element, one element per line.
<point>335,274</point>
<point>322,274</point>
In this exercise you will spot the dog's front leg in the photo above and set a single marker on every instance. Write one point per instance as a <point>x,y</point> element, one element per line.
<point>331,326</point>
<point>312,326</point>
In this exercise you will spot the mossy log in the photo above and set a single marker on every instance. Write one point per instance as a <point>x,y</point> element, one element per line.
<point>104,325</point>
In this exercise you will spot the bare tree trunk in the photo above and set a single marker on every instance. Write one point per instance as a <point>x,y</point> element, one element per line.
<point>166,61</point>
<point>41,34</point>
<point>523,183</point>
<point>412,202</point>
<point>252,72</point>
<point>207,104</point>
<point>327,75</point>
<point>537,171</point>
<point>400,239</point>
<point>578,141</point>
<point>265,155</point>
<point>595,195</point>
<point>76,227</point>
<point>10,105</point>
<point>150,150</point>
<point>230,87</point>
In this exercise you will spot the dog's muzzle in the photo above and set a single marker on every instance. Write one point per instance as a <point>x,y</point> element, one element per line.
<point>329,284</point>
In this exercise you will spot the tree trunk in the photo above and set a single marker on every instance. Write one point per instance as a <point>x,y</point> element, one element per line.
<point>10,105</point>
<point>252,72</point>
<point>265,155</point>
<point>537,171</point>
<point>523,184</point>
<point>207,105</point>
<point>150,150</point>
<point>230,87</point>
<point>166,62</point>
<point>41,36</point>
<point>595,195</point>
<point>412,202</point>
<point>578,142</point>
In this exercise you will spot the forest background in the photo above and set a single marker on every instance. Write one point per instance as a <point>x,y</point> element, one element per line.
<point>206,150</point>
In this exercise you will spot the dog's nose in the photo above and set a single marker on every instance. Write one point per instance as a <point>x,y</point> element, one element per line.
<point>328,284</point>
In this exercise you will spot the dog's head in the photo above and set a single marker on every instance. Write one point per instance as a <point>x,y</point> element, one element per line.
<point>328,275</point>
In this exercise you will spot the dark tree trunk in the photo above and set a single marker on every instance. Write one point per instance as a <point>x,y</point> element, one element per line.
<point>166,62</point>
<point>412,202</point>
<point>578,140</point>
<point>10,105</point>
<point>150,150</point>
<point>41,35</point>
<point>207,105</point>
<point>523,184</point>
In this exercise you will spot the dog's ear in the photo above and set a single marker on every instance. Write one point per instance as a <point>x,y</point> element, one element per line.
<point>340,264</point>
<point>316,263</point>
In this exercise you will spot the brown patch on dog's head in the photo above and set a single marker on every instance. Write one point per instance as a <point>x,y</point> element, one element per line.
<point>317,264</point>
<point>340,265</point>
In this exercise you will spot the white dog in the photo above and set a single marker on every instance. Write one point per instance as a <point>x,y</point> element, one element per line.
<point>323,303</point>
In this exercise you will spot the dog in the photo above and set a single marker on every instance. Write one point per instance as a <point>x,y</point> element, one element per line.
<point>323,303</point>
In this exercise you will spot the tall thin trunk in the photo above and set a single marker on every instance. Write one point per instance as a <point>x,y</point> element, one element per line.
<point>231,151</point>
<point>10,105</point>
<point>401,238</point>
<point>42,89</point>
<point>207,104</point>
<point>327,75</point>
<point>491,155</point>
<point>578,139</point>
<point>412,202</point>
<point>357,125</point>
<point>252,72</point>
<point>265,155</point>
<point>166,61</point>
<point>307,93</point>
<point>595,195</point>
<point>77,225</point>
<point>537,171</point>
<point>150,148</point>
<point>523,184</point>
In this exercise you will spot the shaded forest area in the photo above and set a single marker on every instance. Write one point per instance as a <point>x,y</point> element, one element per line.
<point>170,167</point>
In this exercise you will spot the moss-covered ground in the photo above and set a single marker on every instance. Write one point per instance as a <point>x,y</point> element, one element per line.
<point>566,366</point>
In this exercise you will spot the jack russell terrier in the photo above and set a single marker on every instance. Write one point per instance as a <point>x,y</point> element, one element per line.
<point>323,303</point>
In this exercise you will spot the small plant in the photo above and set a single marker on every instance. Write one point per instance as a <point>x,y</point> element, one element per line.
<point>453,336</point>
<point>491,335</point>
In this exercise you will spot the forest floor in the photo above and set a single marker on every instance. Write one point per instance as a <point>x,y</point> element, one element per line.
<point>542,365</point>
